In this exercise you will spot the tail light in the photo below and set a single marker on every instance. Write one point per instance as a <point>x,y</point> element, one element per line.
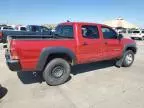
<point>14,54</point>
<point>12,49</point>
<point>1,35</point>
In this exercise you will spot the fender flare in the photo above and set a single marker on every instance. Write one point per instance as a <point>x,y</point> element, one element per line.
<point>46,52</point>
<point>130,46</point>
<point>120,61</point>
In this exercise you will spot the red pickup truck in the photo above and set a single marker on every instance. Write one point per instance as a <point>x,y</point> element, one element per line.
<point>73,43</point>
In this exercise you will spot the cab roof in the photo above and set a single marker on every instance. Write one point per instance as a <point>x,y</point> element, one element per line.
<point>89,23</point>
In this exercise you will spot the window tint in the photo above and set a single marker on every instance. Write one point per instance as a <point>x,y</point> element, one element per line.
<point>35,28</point>
<point>45,29</point>
<point>136,31</point>
<point>109,33</point>
<point>23,28</point>
<point>64,31</point>
<point>89,31</point>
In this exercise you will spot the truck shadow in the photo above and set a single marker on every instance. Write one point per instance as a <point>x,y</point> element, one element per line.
<point>82,68</point>
<point>3,92</point>
<point>31,77</point>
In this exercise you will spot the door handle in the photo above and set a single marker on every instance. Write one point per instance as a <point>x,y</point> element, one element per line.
<point>84,44</point>
<point>106,43</point>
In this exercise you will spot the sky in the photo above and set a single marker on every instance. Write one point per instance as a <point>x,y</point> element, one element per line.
<point>56,11</point>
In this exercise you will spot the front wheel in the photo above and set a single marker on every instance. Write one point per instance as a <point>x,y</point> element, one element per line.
<point>57,72</point>
<point>128,58</point>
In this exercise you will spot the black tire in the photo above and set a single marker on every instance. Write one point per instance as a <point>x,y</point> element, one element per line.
<point>57,72</point>
<point>128,62</point>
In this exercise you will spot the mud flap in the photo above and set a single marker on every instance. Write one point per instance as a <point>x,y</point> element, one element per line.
<point>120,61</point>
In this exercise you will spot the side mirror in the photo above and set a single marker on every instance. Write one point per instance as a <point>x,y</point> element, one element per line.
<point>120,36</point>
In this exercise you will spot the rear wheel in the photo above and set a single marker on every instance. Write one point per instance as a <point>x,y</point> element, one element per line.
<point>57,72</point>
<point>128,58</point>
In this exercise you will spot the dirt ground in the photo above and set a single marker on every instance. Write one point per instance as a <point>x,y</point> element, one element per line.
<point>95,85</point>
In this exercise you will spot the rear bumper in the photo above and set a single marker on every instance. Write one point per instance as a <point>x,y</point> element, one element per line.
<point>14,65</point>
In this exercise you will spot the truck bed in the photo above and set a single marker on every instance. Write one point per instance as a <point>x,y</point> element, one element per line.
<point>20,34</point>
<point>29,48</point>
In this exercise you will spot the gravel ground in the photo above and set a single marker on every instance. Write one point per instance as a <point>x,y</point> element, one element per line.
<point>95,85</point>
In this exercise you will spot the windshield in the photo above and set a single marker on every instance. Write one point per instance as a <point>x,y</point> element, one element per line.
<point>136,31</point>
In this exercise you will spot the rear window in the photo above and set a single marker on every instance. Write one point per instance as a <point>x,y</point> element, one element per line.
<point>23,28</point>
<point>136,31</point>
<point>65,31</point>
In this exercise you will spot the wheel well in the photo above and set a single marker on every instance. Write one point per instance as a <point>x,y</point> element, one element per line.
<point>60,55</point>
<point>132,49</point>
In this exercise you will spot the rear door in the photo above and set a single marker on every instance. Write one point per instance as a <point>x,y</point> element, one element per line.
<point>113,46</point>
<point>90,47</point>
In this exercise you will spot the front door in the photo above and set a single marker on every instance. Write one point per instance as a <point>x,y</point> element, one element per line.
<point>113,46</point>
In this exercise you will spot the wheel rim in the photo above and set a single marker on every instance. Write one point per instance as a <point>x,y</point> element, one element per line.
<point>58,71</point>
<point>129,58</point>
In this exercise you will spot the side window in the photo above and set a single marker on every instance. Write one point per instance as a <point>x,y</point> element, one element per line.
<point>109,33</point>
<point>89,31</point>
<point>45,29</point>
<point>23,28</point>
<point>35,28</point>
<point>65,31</point>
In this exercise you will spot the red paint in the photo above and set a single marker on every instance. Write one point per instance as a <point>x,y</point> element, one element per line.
<point>1,34</point>
<point>28,51</point>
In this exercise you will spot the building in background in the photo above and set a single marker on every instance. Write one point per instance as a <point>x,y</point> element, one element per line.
<point>122,26</point>
<point>120,23</point>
